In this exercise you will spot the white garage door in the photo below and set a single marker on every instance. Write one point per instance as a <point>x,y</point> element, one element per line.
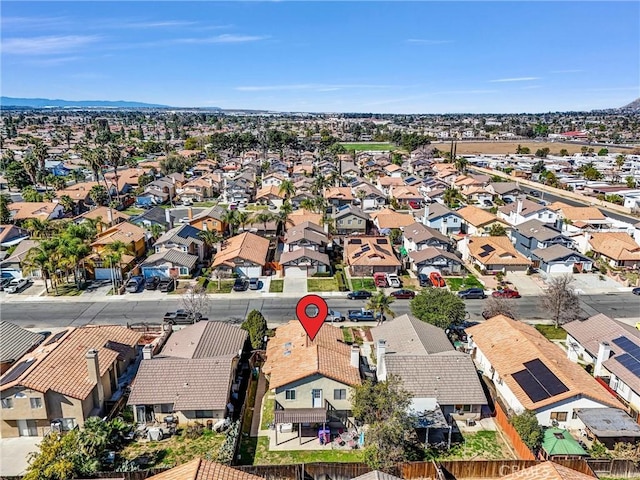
<point>561,268</point>
<point>250,272</point>
<point>428,270</point>
<point>292,271</point>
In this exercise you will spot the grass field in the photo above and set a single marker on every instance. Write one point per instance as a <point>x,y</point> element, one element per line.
<point>510,147</point>
<point>363,284</point>
<point>365,146</point>
<point>483,445</point>
<point>225,286</point>
<point>322,285</point>
<point>551,332</point>
<point>458,283</point>
<point>276,286</point>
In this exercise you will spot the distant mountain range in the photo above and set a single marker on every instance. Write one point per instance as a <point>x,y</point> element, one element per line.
<point>47,102</point>
<point>633,107</point>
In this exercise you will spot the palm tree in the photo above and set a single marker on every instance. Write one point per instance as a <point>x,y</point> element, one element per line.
<point>379,303</point>
<point>287,188</point>
<point>37,228</point>
<point>49,196</point>
<point>113,254</point>
<point>114,156</point>
<point>37,260</point>
<point>242,217</point>
<point>318,184</point>
<point>77,175</point>
<point>67,203</point>
<point>230,219</point>
<point>210,238</point>
<point>30,164</point>
<point>264,218</point>
<point>156,230</point>
<point>450,196</point>
<point>40,151</point>
<point>283,217</point>
<point>74,251</point>
<point>461,164</point>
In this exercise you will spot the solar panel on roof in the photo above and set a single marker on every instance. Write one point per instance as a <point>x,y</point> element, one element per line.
<point>56,337</point>
<point>381,241</point>
<point>15,373</point>
<point>546,377</point>
<point>355,241</point>
<point>366,248</point>
<point>628,346</point>
<point>630,359</point>
<point>531,387</point>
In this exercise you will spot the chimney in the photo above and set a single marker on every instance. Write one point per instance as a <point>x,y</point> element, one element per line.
<point>167,217</point>
<point>381,368</point>
<point>604,352</point>
<point>93,367</point>
<point>519,206</point>
<point>110,216</point>
<point>147,352</point>
<point>355,356</point>
<point>190,213</point>
<point>426,214</point>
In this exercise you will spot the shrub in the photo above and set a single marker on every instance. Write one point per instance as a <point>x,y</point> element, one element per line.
<point>322,274</point>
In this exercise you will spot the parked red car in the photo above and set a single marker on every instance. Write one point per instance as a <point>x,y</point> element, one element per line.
<point>506,293</point>
<point>415,205</point>
<point>436,279</point>
<point>403,294</point>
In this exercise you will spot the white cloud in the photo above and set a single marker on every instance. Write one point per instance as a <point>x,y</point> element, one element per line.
<point>158,24</point>
<point>46,45</point>
<point>515,79</point>
<point>51,62</point>
<point>225,38</point>
<point>307,86</point>
<point>424,41</point>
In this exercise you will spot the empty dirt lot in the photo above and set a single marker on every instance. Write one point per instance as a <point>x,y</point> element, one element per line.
<point>489,147</point>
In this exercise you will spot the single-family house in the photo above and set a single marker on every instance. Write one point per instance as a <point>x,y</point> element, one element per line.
<point>610,347</point>
<point>200,188</point>
<point>338,196</point>
<point>69,378</point>
<point>270,194</point>
<point>386,184</point>
<point>273,180</point>
<point>441,218</point>
<point>14,264</point>
<point>11,235</point>
<point>104,216</point>
<point>304,262</point>
<point>210,219</point>
<point>154,216</point>
<point>350,220</point>
<point>370,197</point>
<point>198,367</point>
<point>305,235</point>
<point>417,237</point>
<point>507,191</point>
<point>575,220</point>
<point>312,380</point>
<point>619,249</point>
<point>534,234</point>
<point>478,222</point>
<point>560,259</point>
<point>387,219</point>
<point>131,235</point>
<point>303,215</point>
<point>201,469</point>
<point>493,254</point>
<point>185,239</point>
<point>406,193</point>
<point>245,254</point>
<point>21,211</point>
<point>476,194</point>
<point>428,365</point>
<point>531,373</point>
<point>366,255</point>
<point>432,259</point>
<point>523,210</point>
<point>16,342</point>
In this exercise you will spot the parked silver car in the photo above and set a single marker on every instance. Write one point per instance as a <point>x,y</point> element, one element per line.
<point>17,285</point>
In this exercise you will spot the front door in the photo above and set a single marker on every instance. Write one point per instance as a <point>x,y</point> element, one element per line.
<point>27,428</point>
<point>316,395</point>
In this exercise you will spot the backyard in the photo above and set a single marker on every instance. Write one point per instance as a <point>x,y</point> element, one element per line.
<point>482,445</point>
<point>263,456</point>
<point>462,283</point>
<point>322,285</point>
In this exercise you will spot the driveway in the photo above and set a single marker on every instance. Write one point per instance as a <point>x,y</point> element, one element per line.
<point>594,283</point>
<point>14,454</point>
<point>293,285</point>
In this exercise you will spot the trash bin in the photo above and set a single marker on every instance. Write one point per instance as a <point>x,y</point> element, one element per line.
<point>209,424</point>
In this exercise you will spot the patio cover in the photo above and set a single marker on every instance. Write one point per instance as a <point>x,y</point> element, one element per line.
<point>301,415</point>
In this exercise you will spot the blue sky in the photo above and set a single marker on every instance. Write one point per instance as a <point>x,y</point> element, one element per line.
<point>389,57</point>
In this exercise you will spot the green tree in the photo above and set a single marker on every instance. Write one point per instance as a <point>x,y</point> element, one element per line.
<point>17,175</point>
<point>287,188</point>
<point>256,325</point>
<point>497,230</point>
<point>264,218</point>
<point>527,426</point>
<point>67,203</point>
<point>395,235</point>
<point>438,307</point>
<point>631,181</point>
<point>30,194</point>
<point>5,213</point>
<point>242,217</point>
<point>230,218</point>
<point>538,167</point>
<point>564,152</point>
<point>542,152</point>
<point>380,303</point>
<point>209,237</point>
<point>603,152</point>
<point>98,194</point>
<point>56,458</point>
<point>450,197</point>
<point>591,173</point>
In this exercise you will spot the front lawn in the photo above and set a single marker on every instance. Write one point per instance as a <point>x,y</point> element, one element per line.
<point>322,285</point>
<point>363,284</point>
<point>276,286</point>
<point>68,290</point>
<point>133,211</point>
<point>551,332</point>
<point>225,286</point>
<point>459,283</point>
<point>288,457</point>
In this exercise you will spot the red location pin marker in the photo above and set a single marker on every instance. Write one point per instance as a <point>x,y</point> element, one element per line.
<point>311,324</point>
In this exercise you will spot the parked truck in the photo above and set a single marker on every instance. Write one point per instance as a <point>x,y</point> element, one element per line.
<point>362,315</point>
<point>393,280</point>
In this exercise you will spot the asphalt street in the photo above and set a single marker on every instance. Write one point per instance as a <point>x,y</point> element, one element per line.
<point>56,314</point>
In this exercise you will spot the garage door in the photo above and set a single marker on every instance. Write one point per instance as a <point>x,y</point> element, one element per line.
<point>105,274</point>
<point>250,272</point>
<point>292,271</point>
<point>561,268</point>
<point>428,270</point>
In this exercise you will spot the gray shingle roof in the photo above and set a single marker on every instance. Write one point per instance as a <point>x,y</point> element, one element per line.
<point>430,253</point>
<point>450,377</point>
<point>205,340</point>
<point>287,257</point>
<point>555,252</point>
<point>16,341</point>
<point>406,335</point>
<point>183,235</point>
<point>417,232</point>
<point>504,187</point>
<point>190,384</point>
<point>173,256</point>
<point>538,230</point>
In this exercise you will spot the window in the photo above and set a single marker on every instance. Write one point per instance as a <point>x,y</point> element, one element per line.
<point>35,402</point>
<point>559,416</point>
<point>290,394</point>
<point>166,408</point>
<point>574,415</point>
<point>349,221</point>
<point>204,413</point>
<point>7,403</point>
<point>466,408</point>
<point>340,394</point>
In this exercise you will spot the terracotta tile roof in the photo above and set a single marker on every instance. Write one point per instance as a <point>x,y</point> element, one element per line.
<point>615,245</point>
<point>123,232</point>
<point>79,191</point>
<point>375,251</point>
<point>326,355</point>
<point>340,193</point>
<point>495,250</point>
<point>24,210</point>
<point>391,181</point>
<point>200,469</point>
<point>387,218</point>
<point>300,216</point>
<point>64,370</point>
<point>245,246</point>
<point>407,191</point>
<point>127,176</point>
<point>582,213</point>
<point>476,216</point>
<point>508,344</point>
<point>547,471</point>
<point>103,214</point>
<point>271,190</point>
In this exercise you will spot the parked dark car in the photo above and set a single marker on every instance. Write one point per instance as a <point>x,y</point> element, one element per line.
<point>167,285</point>
<point>134,284</point>
<point>359,295</point>
<point>471,293</point>
<point>240,285</point>
<point>636,291</point>
<point>424,280</point>
<point>182,317</point>
<point>403,294</point>
<point>506,293</point>
<point>151,283</point>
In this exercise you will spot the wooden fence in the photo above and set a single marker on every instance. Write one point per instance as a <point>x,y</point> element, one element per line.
<point>503,421</point>
<point>308,471</point>
<point>614,468</point>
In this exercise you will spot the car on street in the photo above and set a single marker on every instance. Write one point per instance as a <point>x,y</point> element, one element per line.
<point>403,294</point>
<point>240,285</point>
<point>362,315</point>
<point>506,293</point>
<point>254,284</point>
<point>636,291</point>
<point>151,283</point>
<point>471,293</point>
<point>359,295</point>
<point>16,285</point>
<point>167,285</point>
<point>182,317</point>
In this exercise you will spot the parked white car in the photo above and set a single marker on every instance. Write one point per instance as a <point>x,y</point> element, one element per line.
<point>16,285</point>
